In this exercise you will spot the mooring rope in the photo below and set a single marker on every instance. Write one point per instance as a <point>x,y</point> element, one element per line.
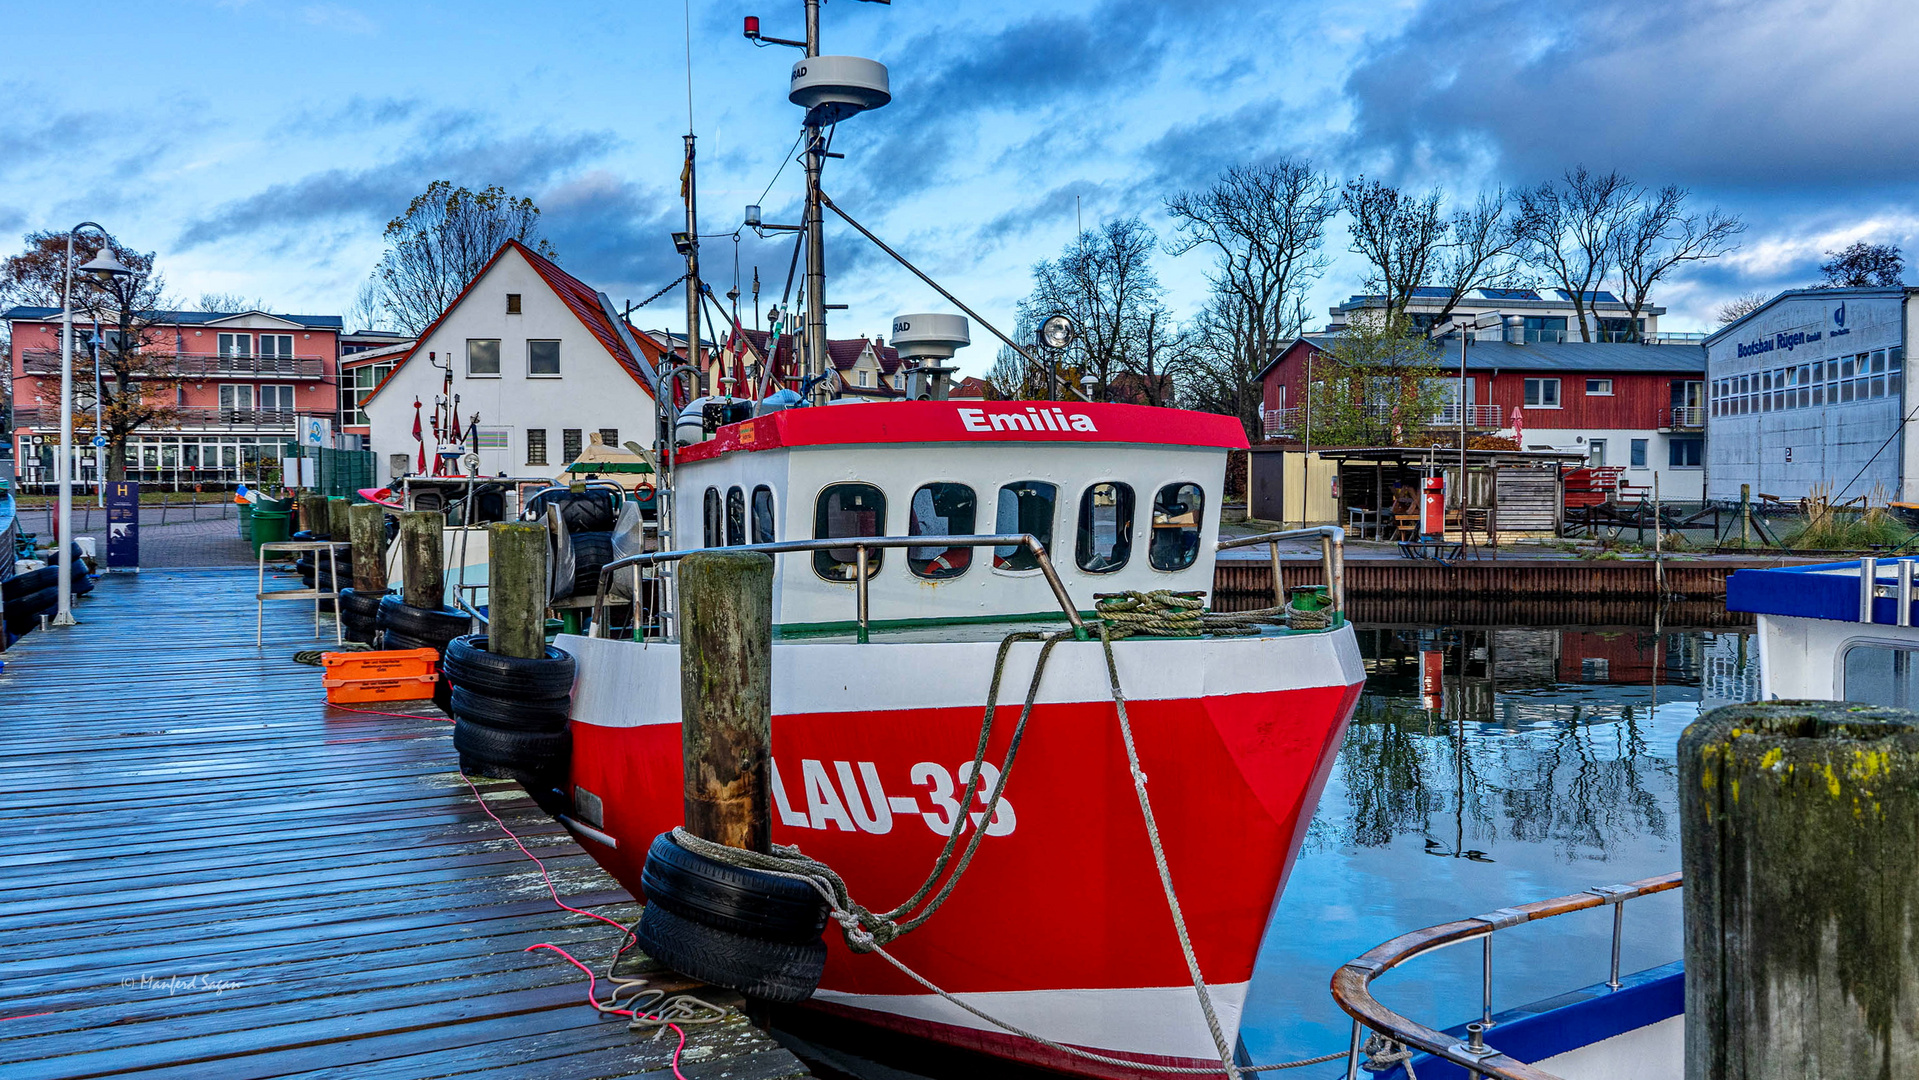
<point>1161,612</point>
<point>1165,613</point>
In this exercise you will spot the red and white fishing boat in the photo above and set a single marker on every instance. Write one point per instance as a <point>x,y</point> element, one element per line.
<point>1060,926</point>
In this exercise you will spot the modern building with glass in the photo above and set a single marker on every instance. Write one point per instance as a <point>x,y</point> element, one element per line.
<point>1808,395</point>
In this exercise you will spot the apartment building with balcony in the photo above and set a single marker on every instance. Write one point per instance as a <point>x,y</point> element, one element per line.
<point>240,382</point>
<point>1531,316</point>
<point>1636,406</point>
<point>1812,390</point>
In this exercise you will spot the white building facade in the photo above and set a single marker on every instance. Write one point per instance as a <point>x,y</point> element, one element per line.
<point>1809,393</point>
<point>531,352</point>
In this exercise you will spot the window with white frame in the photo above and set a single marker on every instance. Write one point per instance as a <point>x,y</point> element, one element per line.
<point>1598,387</point>
<point>279,346</point>
<point>542,358</point>
<point>277,399</point>
<point>483,356</point>
<point>1542,393</point>
<point>236,344</point>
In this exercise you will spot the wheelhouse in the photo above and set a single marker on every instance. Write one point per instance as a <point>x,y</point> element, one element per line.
<point>1121,497</point>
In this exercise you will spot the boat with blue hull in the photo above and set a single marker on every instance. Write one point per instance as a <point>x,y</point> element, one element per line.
<point>1840,631</point>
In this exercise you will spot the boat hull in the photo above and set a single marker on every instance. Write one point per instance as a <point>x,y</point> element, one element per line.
<point>1060,925</point>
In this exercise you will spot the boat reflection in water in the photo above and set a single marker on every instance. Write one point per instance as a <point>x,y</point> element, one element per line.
<point>1488,765</point>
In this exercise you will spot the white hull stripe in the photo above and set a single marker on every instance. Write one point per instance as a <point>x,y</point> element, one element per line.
<point>628,684</point>
<point>1160,1020</point>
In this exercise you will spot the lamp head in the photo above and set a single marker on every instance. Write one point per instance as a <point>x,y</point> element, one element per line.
<point>104,267</point>
<point>1057,332</point>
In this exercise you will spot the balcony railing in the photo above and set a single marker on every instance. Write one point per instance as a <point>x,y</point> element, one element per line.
<point>46,418</point>
<point>1689,417</point>
<point>1279,422</point>
<point>196,366</point>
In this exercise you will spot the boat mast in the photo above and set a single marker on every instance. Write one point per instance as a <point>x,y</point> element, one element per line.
<point>692,246</point>
<point>815,232</point>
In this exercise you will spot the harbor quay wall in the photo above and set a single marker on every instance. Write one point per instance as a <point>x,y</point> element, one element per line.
<point>1237,581</point>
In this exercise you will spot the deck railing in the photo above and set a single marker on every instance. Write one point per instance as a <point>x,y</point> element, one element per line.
<point>1332,557</point>
<point>1277,422</point>
<point>170,365</point>
<point>861,545</point>
<point>1352,983</point>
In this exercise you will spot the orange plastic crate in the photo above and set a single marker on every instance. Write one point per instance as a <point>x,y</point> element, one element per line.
<point>349,691</point>
<point>392,664</point>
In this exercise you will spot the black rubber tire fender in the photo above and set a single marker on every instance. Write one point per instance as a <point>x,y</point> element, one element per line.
<point>362,605</point>
<point>469,664</point>
<point>30,582</point>
<point>530,751</point>
<point>776,971</point>
<point>506,714</point>
<point>392,640</point>
<point>731,898</point>
<point>439,626</point>
<point>591,550</point>
<point>24,614</point>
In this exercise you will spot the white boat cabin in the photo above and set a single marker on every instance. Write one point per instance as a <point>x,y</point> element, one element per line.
<point>1122,496</point>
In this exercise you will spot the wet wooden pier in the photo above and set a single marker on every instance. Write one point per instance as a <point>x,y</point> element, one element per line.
<point>208,873</point>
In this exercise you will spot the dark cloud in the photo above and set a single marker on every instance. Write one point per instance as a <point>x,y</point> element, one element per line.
<point>1760,95</point>
<point>377,192</point>
<point>614,235</point>
<point>355,115</point>
<point>1050,209</point>
<point>29,138</point>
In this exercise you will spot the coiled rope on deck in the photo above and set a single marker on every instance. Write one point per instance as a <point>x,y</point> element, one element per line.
<point>869,932</point>
<point>1165,613</point>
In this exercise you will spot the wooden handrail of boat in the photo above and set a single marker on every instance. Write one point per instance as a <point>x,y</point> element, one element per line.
<point>1332,557</point>
<point>860,544</point>
<point>1352,983</point>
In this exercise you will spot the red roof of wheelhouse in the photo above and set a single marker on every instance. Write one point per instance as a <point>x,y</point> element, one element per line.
<point>983,422</point>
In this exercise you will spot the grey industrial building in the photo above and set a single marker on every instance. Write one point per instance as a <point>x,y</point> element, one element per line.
<point>1813,389</point>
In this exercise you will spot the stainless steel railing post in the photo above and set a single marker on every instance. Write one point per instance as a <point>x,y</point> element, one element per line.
<point>1905,593</point>
<point>1618,929</point>
<point>1486,983</point>
<point>1868,582</point>
<point>859,589</point>
<point>1352,1055</point>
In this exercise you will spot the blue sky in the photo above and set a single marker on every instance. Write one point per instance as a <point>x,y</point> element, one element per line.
<point>258,146</point>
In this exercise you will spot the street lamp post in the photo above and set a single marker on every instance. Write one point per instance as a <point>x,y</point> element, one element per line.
<point>1464,327</point>
<point>103,267</point>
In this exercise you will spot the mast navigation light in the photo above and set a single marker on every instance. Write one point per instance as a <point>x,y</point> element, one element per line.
<point>752,27</point>
<point>753,216</point>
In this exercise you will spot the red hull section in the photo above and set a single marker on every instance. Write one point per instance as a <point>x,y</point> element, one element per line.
<point>1063,894</point>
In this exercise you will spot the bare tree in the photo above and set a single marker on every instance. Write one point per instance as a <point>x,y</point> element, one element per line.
<point>1266,225</point>
<point>1740,306</point>
<point>1397,234</point>
<point>138,382</point>
<point>1411,242</point>
<point>1661,236</point>
<point>1105,281</point>
<point>1568,230</point>
<point>438,246</point>
<point>367,312</point>
<point>1478,252</point>
<point>1863,265</point>
<point>229,302</point>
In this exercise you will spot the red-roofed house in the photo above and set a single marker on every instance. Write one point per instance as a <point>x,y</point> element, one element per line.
<point>866,369</point>
<point>536,356</point>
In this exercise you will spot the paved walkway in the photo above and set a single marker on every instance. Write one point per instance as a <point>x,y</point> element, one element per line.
<point>176,536</point>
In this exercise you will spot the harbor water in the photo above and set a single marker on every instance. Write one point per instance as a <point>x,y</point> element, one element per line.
<point>1489,766</point>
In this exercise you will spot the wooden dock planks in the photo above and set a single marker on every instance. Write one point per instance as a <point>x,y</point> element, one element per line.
<point>206,872</point>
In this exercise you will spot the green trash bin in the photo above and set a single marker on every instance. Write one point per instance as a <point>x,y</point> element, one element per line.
<point>246,521</point>
<point>269,526</point>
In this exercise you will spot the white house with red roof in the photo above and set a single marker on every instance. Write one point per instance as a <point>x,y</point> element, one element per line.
<point>533,358</point>
<point>865,368</point>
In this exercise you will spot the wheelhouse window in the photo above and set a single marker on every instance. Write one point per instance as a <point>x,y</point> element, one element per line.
<point>713,535</point>
<point>941,509</point>
<point>1105,538</point>
<point>735,517</point>
<point>1882,675</point>
<point>763,532</point>
<point>848,510</point>
<point>1024,507</point>
<point>1176,517</point>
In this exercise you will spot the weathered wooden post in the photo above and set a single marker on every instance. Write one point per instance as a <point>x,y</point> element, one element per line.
<point>313,514</point>
<point>516,589</point>
<point>422,573</point>
<point>337,523</point>
<point>1745,515</point>
<point>1799,821</point>
<point>726,696</point>
<point>1658,546</point>
<point>366,526</point>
